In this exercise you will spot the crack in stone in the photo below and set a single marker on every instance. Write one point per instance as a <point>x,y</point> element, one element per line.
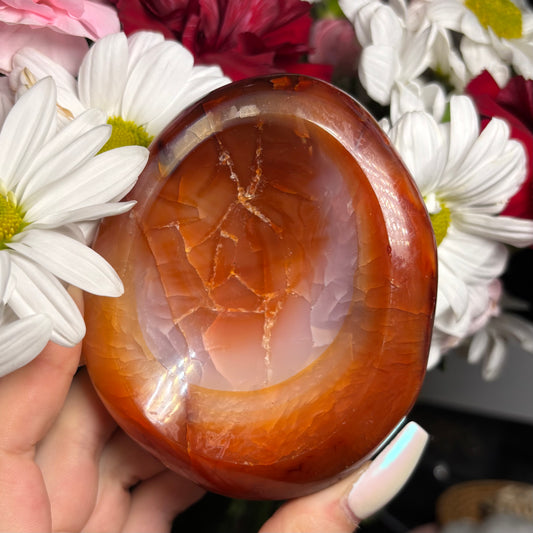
<point>244,198</point>
<point>221,242</point>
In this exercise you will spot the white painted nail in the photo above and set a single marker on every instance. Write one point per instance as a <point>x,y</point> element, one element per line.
<point>388,473</point>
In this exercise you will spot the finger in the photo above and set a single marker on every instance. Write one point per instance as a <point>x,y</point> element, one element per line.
<point>157,501</point>
<point>69,455</point>
<point>30,400</point>
<point>123,464</point>
<point>21,481</point>
<point>340,507</point>
<point>32,396</point>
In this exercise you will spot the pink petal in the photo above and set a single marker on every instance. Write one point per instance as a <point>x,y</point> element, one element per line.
<point>93,21</point>
<point>73,7</point>
<point>67,50</point>
<point>100,20</point>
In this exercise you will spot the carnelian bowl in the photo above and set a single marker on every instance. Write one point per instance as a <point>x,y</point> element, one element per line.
<point>280,279</point>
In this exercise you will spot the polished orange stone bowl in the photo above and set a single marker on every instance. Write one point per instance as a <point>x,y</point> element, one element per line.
<point>280,280</point>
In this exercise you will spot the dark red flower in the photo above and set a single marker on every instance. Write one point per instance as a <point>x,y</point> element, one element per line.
<point>515,104</point>
<point>245,37</point>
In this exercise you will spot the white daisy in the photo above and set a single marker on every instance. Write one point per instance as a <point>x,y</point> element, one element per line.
<point>21,339</point>
<point>395,46</point>
<point>418,96</point>
<point>489,345</point>
<point>446,60</point>
<point>466,178</point>
<point>141,83</point>
<point>49,182</point>
<point>495,34</point>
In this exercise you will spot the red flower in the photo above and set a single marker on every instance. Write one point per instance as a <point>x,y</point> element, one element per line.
<point>245,37</point>
<point>515,104</point>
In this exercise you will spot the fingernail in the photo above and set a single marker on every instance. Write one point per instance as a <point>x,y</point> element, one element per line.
<point>388,473</point>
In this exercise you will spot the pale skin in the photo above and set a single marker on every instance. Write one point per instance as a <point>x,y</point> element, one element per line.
<point>66,466</point>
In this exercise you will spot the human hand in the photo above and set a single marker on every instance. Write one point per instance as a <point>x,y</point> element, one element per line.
<point>65,466</point>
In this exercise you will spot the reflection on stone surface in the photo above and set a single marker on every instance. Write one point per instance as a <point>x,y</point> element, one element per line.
<point>280,277</point>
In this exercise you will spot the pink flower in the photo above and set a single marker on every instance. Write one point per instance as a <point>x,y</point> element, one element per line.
<point>57,28</point>
<point>333,42</point>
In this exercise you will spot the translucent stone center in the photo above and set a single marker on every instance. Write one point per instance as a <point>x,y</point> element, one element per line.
<point>502,16</point>
<point>256,249</point>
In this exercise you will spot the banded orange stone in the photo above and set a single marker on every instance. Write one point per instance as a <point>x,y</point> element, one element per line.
<point>280,281</point>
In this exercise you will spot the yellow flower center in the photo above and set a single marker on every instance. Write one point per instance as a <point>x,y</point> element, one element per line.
<point>440,222</point>
<point>504,17</point>
<point>11,219</point>
<point>126,133</point>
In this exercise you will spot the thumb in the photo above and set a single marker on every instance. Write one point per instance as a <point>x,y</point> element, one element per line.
<point>339,508</point>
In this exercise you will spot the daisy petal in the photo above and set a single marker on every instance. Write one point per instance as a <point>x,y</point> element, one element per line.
<point>517,328</point>
<point>83,214</point>
<point>67,152</point>
<point>69,260</point>
<point>479,57</point>
<point>474,259</point>
<point>513,231</point>
<point>418,139</point>
<point>415,53</point>
<point>5,276</point>
<point>6,99</point>
<point>200,86</point>
<point>489,145</point>
<point>106,177</point>
<point>445,13</point>
<point>385,27</point>
<point>163,71</point>
<point>378,69</point>
<point>27,127</point>
<point>479,346</point>
<point>41,66</point>
<point>464,130</point>
<point>103,74</point>
<point>22,340</point>
<point>139,43</point>
<point>434,356</point>
<point>494,359</point>
<point>522,53</point>
<point>491,173</point>
<point>38,292</point>
<point>202,81</point>
<point>451,292</point>
<point>361,15</point>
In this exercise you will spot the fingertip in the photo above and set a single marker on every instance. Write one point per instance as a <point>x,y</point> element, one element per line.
<point>340,508</point>
<point>388,472</point>
<point>325,510</point>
